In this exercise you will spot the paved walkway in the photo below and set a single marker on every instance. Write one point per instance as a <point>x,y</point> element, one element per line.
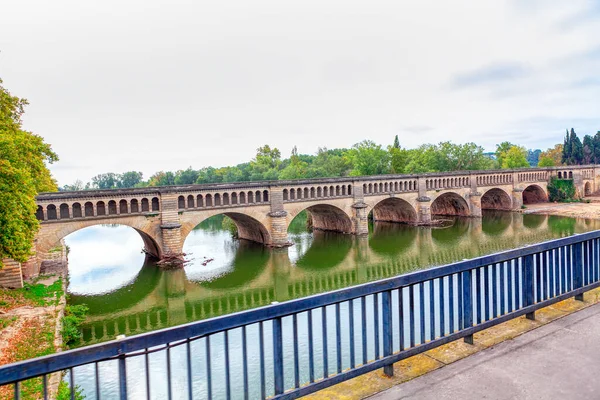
<point>560,360</point>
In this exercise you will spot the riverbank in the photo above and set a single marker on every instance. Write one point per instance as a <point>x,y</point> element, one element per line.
<point>31,325</point>
<point>574,210</point>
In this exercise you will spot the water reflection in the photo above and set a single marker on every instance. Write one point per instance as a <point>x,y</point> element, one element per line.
<point>242,275</point>
<point>387,238</point>
<point>103,258</point>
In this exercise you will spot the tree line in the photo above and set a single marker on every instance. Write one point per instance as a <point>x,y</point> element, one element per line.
<point>364,158</point>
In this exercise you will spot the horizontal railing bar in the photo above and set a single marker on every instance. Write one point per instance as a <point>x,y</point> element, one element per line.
<point>99,352</point>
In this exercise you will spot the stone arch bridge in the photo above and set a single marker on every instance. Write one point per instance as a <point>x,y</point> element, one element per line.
<point>262,211</point>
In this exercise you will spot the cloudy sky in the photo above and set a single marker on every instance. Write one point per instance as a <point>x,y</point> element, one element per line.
<point>145,85</point>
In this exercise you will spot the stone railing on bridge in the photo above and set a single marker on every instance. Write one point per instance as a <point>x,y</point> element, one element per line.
<point>164,216</point>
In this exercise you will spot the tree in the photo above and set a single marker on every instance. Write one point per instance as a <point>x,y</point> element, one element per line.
<point>501,150</point>
<point>396,143</point>
<point>130,179</point>
<point>546,161</point>
<point>555,153</point>
<point>77,185</point>
<point>576,155</point>
<point>186,177</point>
<point>533,157</point>
<point>566,153</point>
<point>23,174</point>
<point>515,157</point>
<point>596,143</point>
<point>296,168</point>
<point>328,163</point>
<point>368,158</point>
<point>588,150</point>
<point>109,180</point>
<point>398,159</point>
<point>265,165</point>
<point>162,178</point>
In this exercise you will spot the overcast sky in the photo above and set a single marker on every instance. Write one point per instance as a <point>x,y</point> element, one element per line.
<point>145,85</point>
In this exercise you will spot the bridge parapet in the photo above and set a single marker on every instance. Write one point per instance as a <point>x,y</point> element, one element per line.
<point>264,210</point>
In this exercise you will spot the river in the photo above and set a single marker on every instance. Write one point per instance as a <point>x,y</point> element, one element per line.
<point>127,294</point>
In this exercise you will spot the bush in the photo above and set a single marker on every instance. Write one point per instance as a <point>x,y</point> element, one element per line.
<point>64,392</point>
<point>562,190</point>
<point>230,226</point>
<point>74,317</point>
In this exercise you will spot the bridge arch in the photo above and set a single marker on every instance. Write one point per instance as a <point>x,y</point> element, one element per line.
<point>496,199</point>
<point>250,227</point>
<point>394,209</point>
<point>587,189</point>
<point>450,204</point>
<point>325,217</point>
<point>49,235</point>
<point>534,194</point>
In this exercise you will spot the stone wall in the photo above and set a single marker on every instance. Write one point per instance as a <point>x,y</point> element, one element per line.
<point>10,274</point>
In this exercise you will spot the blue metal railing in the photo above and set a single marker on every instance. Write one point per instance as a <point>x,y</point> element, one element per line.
<point>298,347</point>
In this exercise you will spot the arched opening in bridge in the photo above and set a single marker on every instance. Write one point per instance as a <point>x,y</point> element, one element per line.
<point>218,259</point>
<point>496,199</point>
<point>103,258</point>
<point>325,217</point>
<point>587,189</point>
<point>394,209</point>
<point>534,194</point>
<point>450,204</point>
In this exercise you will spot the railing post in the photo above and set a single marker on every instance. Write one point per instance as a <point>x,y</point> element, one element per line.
<point>278,356</point>
<point>528,288</point>
<point>386,302</point>
<point>122,378</point>
<point>578,269</point>
<point>467,303</point>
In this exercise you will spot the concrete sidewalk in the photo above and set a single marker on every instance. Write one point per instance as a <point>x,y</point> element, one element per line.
<point>560,360</point>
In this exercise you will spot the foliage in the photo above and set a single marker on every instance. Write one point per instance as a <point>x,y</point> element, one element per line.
<point>513,157</point>
<point>533,157</point>
<point>5,322</point>
<point>546,161</point>
<point>230,226</point>
<point>555,154</point>
<point>71,323</point>
<point>23,174</point>
<point>368,158</point>
<point>562,190</point>
<point>64,392</point>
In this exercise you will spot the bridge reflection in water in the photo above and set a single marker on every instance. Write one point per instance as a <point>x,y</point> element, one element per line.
<point>253,276</point>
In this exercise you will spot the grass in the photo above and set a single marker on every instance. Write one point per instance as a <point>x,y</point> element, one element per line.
<point>32,294</point>
<point>64,392</point>
<point>7,321</point>
<point>74,317</point>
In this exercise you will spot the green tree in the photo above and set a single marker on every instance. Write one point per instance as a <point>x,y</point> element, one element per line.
<point>515,157</point>
<point>555,153</point>
<point>596,143</point>
<point>588,150</point>
<point>265,165</point>
<point>566,149</point>
<point>130,179</point>
<point>396,144</point>
<point>109,180</point>
<point>23,174</point>
<point>186,177</point>
<point>546,161</point>
<point>368,158</point>
<point>533,157</point>
<point>576,155</point>
<point>328,163</point>
<point>398,159</point>
<point>295,168</point>
<point>162,178</point>
<point>501,150</point>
